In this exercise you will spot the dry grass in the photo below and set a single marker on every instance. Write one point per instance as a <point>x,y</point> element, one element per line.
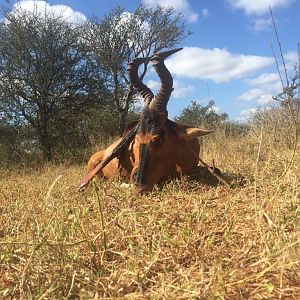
<point>186,241</point>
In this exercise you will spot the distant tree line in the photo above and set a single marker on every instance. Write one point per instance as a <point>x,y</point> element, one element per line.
<point>206,116</point>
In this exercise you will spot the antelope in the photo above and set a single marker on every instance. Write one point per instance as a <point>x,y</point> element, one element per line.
<point>157,148</point>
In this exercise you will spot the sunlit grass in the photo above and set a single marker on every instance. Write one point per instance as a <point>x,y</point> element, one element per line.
<point>186,240</point>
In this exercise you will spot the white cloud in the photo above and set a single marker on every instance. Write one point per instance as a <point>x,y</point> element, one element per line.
<point>291,57</point>
<point>42,7</point>
<point>153,85</point>
<point>264,78</point>
<point>215,64</point>
<point>291,60</point>
<point>258,94</point>
<point>257,7</point>
<point>263,88</point>
<point>179,5</point>
<point>262,24</point>
<point>266,85</point>
<point>180,89</point>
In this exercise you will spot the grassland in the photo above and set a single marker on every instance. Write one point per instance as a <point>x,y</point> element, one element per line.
<point>187,240</point>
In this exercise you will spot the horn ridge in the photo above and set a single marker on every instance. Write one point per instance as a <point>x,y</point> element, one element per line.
<point>160,100</point>
<point>135,79</point>
<point>162,55</point>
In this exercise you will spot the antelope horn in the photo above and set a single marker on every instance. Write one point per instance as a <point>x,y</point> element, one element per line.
<point>160,100</point>
<point>136,81</point>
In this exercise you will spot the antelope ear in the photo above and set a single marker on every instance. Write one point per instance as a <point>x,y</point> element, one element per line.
<point>192,133</point>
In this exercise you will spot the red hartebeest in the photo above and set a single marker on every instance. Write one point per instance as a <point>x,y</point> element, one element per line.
<point>160,148</point>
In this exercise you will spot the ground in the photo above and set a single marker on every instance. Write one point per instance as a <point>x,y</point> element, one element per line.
<point>186,240</point>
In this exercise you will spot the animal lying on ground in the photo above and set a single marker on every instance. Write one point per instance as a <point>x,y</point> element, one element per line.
<point>159,148</point>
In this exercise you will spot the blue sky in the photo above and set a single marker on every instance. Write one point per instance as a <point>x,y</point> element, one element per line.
<point>229,51</point>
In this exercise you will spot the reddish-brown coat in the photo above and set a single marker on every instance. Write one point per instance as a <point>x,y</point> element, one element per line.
<point>172,156</point>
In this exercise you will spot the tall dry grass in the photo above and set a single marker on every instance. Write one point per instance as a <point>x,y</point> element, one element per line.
<point>187,240</point>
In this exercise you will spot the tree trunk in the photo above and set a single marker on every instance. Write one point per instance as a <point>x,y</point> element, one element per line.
<point>44,137</point>
<point>122,121</point>
<point>46,146</point>
<point>123,112</point>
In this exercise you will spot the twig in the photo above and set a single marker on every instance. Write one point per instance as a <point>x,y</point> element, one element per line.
<point>51,188</point>
<point>256,173</point>
<point>211,170</point>
<point>208,91</point>
<point>298,72</point>
<point>277,66</point>
<point>292,157</point>
<point>101,216</point>
<point>280,48</point>
<point>288,97</point>
<point>53,287</point>
<point>71,286</point>
<point>24,272</point>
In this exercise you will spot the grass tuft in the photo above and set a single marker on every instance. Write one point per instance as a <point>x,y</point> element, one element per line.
<point>186,240</point>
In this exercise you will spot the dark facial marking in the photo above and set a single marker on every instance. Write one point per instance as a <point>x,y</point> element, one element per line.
<point>144,150</point>
<point>149,124</point>
<point>149,127</point>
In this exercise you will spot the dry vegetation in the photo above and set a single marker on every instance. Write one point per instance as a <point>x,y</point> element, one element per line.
<point>185,241</point>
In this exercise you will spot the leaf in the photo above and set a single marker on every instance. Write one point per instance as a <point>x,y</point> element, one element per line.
<point>269,287</point>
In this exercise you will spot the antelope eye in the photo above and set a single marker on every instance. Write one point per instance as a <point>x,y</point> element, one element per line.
<point>155,140</point>
<point>158,138</point>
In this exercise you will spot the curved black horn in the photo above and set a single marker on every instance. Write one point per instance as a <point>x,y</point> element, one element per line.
<point>160,100</point>
<point>135,79</point>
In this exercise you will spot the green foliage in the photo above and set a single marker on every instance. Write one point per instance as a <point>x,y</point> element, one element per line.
<point>17,143</point>
<point>47,79</point>
<point>7,142</point>
<point>199,115</point>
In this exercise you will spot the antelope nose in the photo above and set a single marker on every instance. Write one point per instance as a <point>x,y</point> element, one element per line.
<point>143,189</point>
<point>138,186</point>
<point>140,189</point>
<point>138,177</point>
